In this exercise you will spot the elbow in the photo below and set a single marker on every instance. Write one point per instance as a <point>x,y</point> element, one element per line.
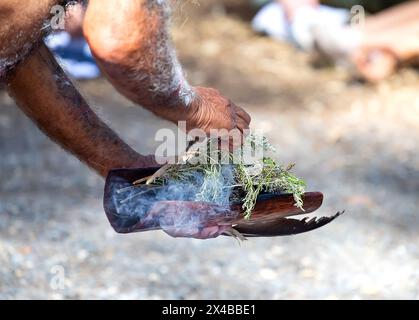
<point>112,45</point>
<point>105,46</point>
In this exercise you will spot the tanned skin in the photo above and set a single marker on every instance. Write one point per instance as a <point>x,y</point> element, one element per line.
<point>131,42</point>
<point>389,37</point>
<point>134,51</point>
<point>21,25</point>
<point>139,62</point>
<point>44,92</point>
<point>47,96</point>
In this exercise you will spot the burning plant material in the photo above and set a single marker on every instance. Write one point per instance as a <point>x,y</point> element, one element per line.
<point>202,197</point>
<point>240,182</point>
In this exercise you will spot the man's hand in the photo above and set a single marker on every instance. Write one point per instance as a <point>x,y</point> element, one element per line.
<point>131,43</point>
<point>198,220</point>
<point>210,110</point>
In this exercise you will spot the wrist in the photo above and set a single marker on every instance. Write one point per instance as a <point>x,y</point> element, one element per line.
<point>184,94</point>
<point>180,104</point>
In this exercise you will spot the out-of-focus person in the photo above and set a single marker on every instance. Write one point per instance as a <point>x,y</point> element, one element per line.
<point>70,47</point>
<point>376,47</point>
<point>293,21</point>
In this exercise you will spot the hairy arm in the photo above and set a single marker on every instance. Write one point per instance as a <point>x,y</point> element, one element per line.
<point>43,91</point>
<point>21,26</point>
<point>131,42</point>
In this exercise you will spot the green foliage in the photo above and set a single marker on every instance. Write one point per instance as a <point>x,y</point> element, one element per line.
<point>247,181</point>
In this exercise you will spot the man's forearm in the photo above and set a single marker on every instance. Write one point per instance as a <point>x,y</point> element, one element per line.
<point>131,42</point>
<point>47,96</point>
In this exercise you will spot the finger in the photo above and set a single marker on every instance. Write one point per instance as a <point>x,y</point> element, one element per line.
<point>241,124</point>
<point>244,115</point>
<point>236,138</point>
<point>209,233</point>
<point>239,134</point>
<point>195,233</point>
<point>182,232</point>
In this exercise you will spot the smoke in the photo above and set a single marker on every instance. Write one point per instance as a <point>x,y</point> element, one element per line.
<point>181,208</point>
<point>216,187</point>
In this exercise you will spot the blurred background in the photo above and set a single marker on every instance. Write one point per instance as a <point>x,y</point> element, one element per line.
<point>356,141</point>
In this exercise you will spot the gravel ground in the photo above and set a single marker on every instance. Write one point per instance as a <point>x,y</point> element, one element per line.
<point>356,143</point>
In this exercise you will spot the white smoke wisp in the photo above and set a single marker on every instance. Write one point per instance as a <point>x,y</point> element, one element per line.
<point>177,205</point>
